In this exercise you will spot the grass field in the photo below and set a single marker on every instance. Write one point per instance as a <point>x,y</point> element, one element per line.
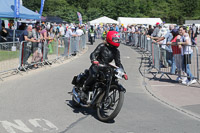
<point>7,55</point>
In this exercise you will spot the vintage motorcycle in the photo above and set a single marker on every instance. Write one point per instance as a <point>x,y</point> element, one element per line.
<point>91,38</point>
<point>106,95</point>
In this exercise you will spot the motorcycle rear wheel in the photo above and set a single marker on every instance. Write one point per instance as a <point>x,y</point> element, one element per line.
<point>108,109</point>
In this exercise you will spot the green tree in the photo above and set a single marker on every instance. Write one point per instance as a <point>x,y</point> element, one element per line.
<point>171,11</point>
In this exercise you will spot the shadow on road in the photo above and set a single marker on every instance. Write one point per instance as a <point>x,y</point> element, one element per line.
<point>85,111</point>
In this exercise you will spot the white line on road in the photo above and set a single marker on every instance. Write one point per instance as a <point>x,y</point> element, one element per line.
<point>20,125</point>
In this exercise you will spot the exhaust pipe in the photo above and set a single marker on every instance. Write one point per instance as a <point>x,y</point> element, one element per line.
<point>76,98</point>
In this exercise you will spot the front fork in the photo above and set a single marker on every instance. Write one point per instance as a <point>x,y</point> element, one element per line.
<point>109,80</point>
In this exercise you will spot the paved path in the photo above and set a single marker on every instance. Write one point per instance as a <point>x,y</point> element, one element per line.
<point>36,102</point>
<point>184,98</point>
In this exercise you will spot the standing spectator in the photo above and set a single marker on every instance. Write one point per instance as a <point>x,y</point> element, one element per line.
<point>129,33</point>
<point>61,34</point>
<point>187,55</point>
<point>177,52</point>
<point>22,26</point>
<point>170,57</point>
<point>61,30</point>
<point>98,31</point>
<point>162,33</point>
<point>74,34</point>
<point>51,37</point>
<point>194,34</point>
<point>4,33</point>
<point>105,31</point>
<point>45,42</point>
<point>27,36</point>
<point>79,31</point>
<point>37,54</point>
<point>156,30</point>
<point>83,28</point>
<point>69,32</point>
<point>116,28</point>
<point>150,31</point>
<point>68,36</point>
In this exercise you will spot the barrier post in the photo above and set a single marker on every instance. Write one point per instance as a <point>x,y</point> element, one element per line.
<point>197,63</point>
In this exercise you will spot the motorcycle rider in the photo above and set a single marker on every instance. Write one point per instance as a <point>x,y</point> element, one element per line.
<point>91,30</point>
<point>104,54</point>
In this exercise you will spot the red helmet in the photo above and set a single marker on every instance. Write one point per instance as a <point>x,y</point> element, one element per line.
<point>113,38</point>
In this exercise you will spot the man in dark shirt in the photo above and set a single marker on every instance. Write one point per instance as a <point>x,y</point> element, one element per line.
<point>150,31</point>
<point>3,33</point>
<point>27,36</point>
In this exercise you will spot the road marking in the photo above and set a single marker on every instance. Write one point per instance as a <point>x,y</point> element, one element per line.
<point>162,85</point>
<point>35,123</point>
<point>19,125</point>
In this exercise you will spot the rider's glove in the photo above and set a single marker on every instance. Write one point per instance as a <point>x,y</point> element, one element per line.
<point>125,77</point>
<point>95,62</point>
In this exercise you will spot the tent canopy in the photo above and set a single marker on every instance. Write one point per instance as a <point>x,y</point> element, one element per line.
<point>7,11</point>
<point>129,21</point>
<point>103,19</point>
<point>53,19</point>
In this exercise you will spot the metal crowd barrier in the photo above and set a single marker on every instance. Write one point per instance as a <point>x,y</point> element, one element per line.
<point>9,54</point>
<point>70,46</point>
<point>165,60</point>
<point>24,55</point>
<point>174,61</point>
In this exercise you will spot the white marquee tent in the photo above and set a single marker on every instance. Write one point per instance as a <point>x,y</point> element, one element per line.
<point>103,19</point>
<point>129,21</point>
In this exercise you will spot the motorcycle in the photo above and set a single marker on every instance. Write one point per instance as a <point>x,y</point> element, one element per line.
<point>106,95</point>
<point>91,38</point>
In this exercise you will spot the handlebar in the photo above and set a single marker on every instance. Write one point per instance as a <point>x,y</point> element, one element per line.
<point>107,65</point>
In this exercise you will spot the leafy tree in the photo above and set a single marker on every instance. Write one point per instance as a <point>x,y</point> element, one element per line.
<point>171,11</point>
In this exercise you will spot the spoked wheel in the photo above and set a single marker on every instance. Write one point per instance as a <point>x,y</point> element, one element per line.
<point>108,108</point>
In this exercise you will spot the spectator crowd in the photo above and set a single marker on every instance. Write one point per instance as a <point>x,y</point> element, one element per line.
<point>174,41</point>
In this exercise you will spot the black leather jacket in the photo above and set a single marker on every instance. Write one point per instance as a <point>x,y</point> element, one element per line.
<point>106,54</point>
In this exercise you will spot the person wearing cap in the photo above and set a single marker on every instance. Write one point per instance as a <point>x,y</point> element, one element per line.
<point>169,55</point>
<point>74,34</point>
<point>156,30</point>
<point>68,34</point>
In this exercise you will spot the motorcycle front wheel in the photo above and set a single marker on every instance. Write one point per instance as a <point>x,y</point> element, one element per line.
<point>109,107</point>
<point>91,40</point>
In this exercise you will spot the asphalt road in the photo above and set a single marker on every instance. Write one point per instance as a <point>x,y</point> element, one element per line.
<point>38,102</point>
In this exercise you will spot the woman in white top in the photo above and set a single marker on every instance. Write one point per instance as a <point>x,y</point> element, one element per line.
<point>187,55</point>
